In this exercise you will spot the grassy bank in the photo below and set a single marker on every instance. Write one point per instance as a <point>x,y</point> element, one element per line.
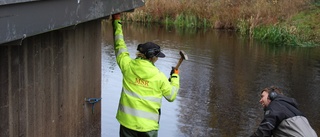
<point>280,22</point>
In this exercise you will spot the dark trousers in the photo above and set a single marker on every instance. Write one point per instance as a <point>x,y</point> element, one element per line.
<point>126,132</point>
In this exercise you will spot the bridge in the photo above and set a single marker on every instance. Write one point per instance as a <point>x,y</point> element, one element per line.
<point>50,66</point>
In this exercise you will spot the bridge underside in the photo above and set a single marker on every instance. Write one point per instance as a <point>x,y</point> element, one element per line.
<point>24,18</point>
<point>45,76</point>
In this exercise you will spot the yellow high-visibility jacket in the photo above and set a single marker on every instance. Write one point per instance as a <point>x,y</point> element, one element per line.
<point>144,85</point>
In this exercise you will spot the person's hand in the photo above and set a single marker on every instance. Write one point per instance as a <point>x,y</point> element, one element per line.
<point>116,16</point>
<point>174,71</point>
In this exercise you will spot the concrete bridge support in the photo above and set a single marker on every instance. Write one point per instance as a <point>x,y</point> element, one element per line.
<point>45,79</point>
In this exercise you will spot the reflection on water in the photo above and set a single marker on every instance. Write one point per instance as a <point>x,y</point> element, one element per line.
<point>220,82</point>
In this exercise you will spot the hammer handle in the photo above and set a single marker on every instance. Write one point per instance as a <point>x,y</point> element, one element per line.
<point>180,60</point>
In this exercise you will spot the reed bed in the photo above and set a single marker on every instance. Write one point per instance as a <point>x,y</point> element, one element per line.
<point>217,13</point>
<point>245,16</point>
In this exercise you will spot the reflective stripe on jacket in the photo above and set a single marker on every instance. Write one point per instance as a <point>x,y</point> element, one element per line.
<point>143,88</point>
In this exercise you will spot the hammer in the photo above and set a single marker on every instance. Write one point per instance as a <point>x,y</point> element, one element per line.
<point>183,56</point>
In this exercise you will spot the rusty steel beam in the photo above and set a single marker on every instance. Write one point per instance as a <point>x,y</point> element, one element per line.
<point>24,18</point>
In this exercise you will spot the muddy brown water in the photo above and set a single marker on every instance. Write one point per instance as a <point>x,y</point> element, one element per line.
<point>220,83</point>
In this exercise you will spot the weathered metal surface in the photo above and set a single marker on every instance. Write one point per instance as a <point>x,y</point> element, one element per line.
<point>45,80</point>
<point>23,18</point>
<point>4,2</point>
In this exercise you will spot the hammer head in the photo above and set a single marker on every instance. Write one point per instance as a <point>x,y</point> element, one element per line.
<point>183,55</point>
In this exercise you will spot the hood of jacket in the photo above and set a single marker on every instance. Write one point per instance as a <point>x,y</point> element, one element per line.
<point>288,100</point>
<point>143,68</point>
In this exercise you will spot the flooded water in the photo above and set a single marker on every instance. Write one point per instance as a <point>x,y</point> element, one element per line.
<point>220,83</point>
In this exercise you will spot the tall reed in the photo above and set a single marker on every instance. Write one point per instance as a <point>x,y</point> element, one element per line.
<point>243,15</point>
<point>227,12</point>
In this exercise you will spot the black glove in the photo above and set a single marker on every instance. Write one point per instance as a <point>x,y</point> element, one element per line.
<point>173,70</point>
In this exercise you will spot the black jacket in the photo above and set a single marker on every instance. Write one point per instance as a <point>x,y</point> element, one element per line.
<point>282,118</point>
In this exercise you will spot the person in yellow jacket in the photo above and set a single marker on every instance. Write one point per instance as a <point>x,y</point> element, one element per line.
<point>144,85</point>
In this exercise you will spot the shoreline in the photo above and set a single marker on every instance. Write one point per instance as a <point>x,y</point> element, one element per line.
<point>268,21</point>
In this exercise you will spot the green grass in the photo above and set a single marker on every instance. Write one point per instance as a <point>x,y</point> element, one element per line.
<point>302,29</point>
<point>243,27</point>
<point>186,21</point>
<point>274,35</point>
<point>307,24</point>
